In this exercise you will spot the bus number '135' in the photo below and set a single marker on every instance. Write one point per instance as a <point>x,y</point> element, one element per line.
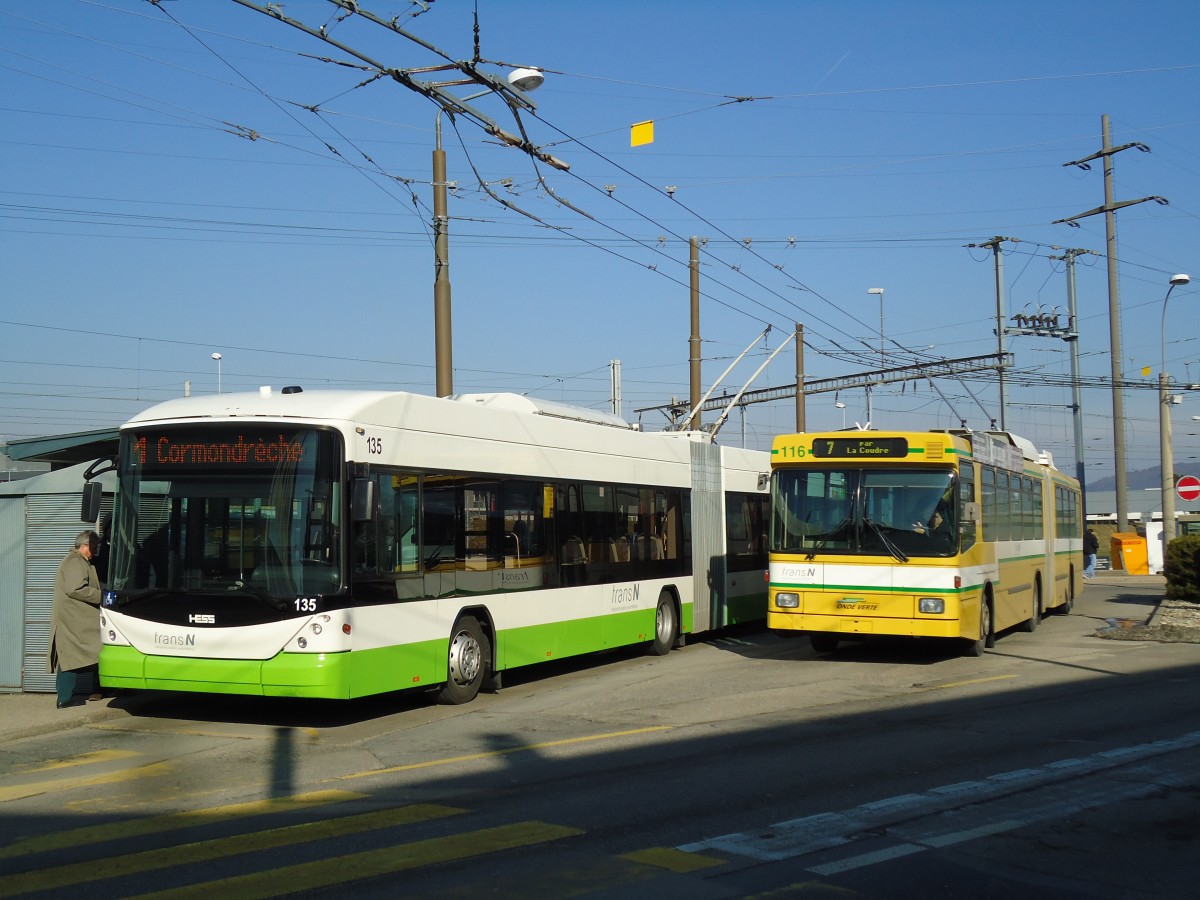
<point>306,604</point>
<point>375,445</point>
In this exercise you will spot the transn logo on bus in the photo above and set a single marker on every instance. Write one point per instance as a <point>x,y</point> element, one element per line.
<point>622,596</point>
<point>798,572</point>
<point>198,619</point>
<point>174,640</point>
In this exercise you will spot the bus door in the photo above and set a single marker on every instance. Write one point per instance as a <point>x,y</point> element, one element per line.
<point>442,547</point>
<point>402,537</point>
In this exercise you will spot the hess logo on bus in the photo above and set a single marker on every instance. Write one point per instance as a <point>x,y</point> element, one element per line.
<point>202,619</point>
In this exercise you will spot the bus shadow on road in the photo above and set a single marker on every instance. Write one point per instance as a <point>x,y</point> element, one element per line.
<point>266,711</point>
<point>892,651</point>
<point>292,712</point>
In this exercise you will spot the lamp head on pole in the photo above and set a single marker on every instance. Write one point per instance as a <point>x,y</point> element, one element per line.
<point>1180,279</point>
<point>526,79</point>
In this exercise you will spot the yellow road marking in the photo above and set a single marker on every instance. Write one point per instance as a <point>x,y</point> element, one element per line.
<point>20,791</point>
<point>120,831</point>
<point>202,851</point>
<point>86,759</point>
<point>953,684</point>
<point>384,861</point>
<point>131,727</point>
<point>672,860</point>
<point>491,754</point>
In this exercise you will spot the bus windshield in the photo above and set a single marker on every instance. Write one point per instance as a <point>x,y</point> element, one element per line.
<point>228,509</point>
<point>873,511</point>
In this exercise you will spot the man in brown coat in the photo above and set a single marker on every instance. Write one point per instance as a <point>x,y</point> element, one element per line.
<point>75,619</point>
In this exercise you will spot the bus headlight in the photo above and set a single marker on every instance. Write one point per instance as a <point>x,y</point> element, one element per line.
<point>933,605</point>
<point>787,600</point>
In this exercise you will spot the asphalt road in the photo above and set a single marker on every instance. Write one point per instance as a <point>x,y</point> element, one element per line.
<point>1057,765</point>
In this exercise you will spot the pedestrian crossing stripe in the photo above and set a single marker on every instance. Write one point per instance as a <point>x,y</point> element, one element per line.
<point>126,830</point>
<point>673,860</point>
<point>372,863</point>
<point>217,848</point>
<point>84,759</point>
<point>34,788</point>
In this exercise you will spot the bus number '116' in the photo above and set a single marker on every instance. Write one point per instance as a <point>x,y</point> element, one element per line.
<point>793,451</point>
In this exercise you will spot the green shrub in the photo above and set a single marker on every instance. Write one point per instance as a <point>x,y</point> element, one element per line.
<point>1182,568</point>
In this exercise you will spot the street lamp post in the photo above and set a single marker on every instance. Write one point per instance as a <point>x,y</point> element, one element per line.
<point>879,291</point>
<point>1166,455</point>
<point>523,80</point>
<point>842,406</point>
<point>217,357</point>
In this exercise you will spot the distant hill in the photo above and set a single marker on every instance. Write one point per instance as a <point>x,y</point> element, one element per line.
<point>1135,481</point>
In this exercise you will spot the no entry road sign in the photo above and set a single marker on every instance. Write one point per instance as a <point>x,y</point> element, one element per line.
<point>1188,487</point>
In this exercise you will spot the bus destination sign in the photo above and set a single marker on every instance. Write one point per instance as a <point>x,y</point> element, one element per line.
<point>237,450</point>
<point>860,448</point>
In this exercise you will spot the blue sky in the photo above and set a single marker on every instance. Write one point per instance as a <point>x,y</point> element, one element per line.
<point>143,230</point>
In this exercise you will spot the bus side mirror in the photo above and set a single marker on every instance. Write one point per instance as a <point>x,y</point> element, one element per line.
<point>90,508</point>
<point>362,503</point>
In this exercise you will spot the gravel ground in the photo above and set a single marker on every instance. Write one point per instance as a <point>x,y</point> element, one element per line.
<point>1175,621</point>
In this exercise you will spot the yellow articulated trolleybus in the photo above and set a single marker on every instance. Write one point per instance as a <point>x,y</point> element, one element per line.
<point>337,544</point>
<point>940,534</point>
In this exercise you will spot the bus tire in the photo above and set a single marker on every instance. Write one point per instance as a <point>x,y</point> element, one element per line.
<point>666,626</point>
<point>1069,602</point>
<point>823,641</point>
<point>468,662</point>
<point>987,637</point>
<point>1031,624</point>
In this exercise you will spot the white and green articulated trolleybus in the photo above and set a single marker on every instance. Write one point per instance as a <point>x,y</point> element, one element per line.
<point>338,544</point>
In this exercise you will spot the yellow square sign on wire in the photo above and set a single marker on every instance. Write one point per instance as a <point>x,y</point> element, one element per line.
<point>641,133</point>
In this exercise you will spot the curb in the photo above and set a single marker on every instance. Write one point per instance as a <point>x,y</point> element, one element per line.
<point>45,718</point>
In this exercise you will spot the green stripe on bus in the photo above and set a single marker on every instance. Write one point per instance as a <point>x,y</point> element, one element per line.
<point>869,589</point>
<point>380,670</point>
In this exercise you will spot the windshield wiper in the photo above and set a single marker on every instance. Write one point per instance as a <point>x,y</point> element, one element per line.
<point>259,594</point>
<point>888,543</point>
<point>829,536</point>
<point>137,595</point>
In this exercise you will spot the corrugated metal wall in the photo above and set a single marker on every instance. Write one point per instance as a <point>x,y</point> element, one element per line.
<point>51,523</point>
<point>12,585</point>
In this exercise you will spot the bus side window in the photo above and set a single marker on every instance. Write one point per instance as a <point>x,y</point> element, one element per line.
<point>573,552</point>
<point>969,515</point>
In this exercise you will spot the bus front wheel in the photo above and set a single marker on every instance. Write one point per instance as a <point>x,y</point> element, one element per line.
<point>468,662</point>
<point>666,626</point>
<point>986,638</point>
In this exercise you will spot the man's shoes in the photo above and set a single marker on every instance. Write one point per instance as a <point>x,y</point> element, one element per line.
<point>74,701</point>
<point>94,697</point>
